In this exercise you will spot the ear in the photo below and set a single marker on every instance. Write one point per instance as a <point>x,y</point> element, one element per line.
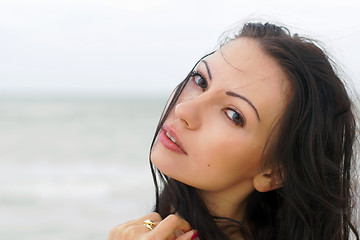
<point>268,180</point>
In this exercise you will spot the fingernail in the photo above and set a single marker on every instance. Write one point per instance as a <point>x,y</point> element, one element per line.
<point>194,236</point>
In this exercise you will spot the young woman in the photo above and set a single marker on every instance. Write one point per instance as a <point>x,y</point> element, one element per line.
<point>256,143</point>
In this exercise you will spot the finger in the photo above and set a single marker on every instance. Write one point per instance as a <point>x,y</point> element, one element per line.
<point>190,235</point>
<point>185,226</point>
<point>133,232</point>
<point>166,227</point>
<point>154,216</point>
<point>117,230</point>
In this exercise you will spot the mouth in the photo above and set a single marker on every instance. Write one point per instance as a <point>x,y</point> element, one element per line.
<point>169,139</point>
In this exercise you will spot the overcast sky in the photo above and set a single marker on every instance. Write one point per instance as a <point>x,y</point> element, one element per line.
<point>146,46</point>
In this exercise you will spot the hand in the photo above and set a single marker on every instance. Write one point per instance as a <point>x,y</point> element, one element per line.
<point>164,230</point>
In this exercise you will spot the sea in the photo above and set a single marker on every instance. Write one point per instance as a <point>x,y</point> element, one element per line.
<point>71,168</point>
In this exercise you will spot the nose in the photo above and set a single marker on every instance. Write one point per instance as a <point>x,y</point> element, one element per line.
<point>188,113</point>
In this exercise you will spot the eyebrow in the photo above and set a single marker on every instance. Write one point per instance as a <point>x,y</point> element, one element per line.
<point>207,69</point>
<point>233,94</point>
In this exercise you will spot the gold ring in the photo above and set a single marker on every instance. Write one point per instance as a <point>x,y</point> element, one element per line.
<point>150,224</point>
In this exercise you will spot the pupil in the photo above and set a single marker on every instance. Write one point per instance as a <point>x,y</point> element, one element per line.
<point>202,83</point>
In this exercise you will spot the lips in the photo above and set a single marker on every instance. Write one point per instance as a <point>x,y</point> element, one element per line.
<point>169,139</point>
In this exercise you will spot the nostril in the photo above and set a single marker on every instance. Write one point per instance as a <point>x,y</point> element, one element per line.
<point>186,123</point>
<point>188,114</point>
<point>180,113</point>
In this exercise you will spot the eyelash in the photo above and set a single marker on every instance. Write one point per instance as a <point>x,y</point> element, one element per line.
<point>242,119</point>
<point>197,74</point>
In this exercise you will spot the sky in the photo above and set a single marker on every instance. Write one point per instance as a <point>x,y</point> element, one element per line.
<point>146,47</point>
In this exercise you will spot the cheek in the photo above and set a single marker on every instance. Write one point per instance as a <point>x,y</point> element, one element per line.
<point>157,158</point>
<point>241,159</point>
<point>171,164</point>
<point>226,164</point>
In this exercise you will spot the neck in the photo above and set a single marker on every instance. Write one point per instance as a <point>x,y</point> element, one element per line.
<point>229,203</point>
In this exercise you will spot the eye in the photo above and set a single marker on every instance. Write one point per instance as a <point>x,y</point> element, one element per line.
<point>234,116</point>
<point>200,81</point>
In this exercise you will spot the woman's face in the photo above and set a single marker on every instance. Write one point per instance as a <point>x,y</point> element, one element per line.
<point>214,137</point>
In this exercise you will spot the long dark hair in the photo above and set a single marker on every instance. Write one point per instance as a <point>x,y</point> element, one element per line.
<point>313,147</point>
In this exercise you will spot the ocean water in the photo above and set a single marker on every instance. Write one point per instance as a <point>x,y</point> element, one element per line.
<point>73,168</point>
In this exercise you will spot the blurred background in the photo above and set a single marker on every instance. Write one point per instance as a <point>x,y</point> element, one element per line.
<point>82,86</point>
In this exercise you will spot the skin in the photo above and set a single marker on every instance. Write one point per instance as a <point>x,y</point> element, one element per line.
<point>164,229</point>
<point>223,159</point>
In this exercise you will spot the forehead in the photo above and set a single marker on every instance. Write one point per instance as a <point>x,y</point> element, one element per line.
<point>243,67</point>
<point>244,56</point>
